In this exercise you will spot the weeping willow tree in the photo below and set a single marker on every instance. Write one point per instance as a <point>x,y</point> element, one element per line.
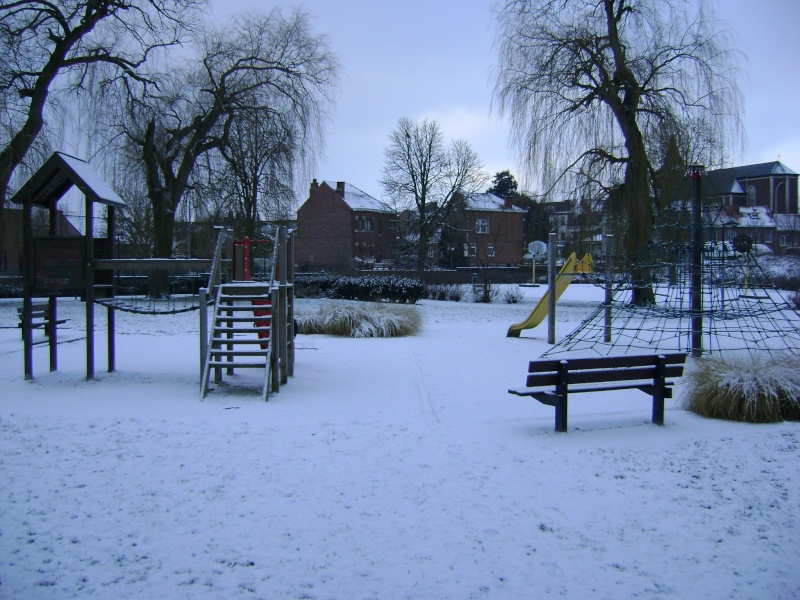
<point>589,84</point>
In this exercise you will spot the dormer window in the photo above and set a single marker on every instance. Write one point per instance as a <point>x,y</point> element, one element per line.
<point>751,195</point>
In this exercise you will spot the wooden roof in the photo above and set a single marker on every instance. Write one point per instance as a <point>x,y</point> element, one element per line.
<point>57,176</point>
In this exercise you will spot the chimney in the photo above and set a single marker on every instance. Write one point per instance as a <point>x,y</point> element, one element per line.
<point>314,186</point>
<point>340,188</point>
<point>507,205</point>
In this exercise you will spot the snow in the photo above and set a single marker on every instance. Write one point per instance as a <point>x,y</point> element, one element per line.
<point>386,468</point>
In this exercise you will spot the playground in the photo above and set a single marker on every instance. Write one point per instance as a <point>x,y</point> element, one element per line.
<point>386,468</point>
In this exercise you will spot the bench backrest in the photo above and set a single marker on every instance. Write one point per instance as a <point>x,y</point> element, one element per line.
<point>603,369</point>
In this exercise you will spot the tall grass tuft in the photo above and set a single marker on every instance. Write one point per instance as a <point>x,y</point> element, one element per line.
<point>357,321</point>
<point>761,389</point>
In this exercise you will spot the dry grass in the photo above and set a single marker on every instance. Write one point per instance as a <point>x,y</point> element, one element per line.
<point>760,389</point>
<point>361,321</point>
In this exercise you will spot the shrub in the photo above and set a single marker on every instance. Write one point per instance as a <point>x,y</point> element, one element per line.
<point>350,320</point>
<point>444,291</point>
<point>367,288</point>
<point>512,295</point>
<point>761,389</point>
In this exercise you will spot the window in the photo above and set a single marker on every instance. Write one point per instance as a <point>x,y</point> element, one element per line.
<point>466,250</point>
<point>490,251</point>
<point>393,224</point>
<point>363,224</point>
<point>785,240</point>
<point>473,250</point>
<point>751,195</point>
<point>431,250</point>
<point>481,225</point>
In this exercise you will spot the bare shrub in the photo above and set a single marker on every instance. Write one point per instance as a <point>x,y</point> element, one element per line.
<point>744,388</point>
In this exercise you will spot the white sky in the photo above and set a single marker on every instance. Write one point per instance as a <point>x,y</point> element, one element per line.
<point>433,59</point>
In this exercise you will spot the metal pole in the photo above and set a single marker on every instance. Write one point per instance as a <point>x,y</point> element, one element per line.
<point>551,289</point>
<point>696,292</point>
<point>608,285</point>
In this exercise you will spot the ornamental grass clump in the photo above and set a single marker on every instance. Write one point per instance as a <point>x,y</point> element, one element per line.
<point>753,389</point>
<point>350,320</point>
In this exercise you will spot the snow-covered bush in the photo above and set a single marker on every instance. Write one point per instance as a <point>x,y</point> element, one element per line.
<point>444,291</point>
<point>367,288</point>
<point>512,295</point>
<point>360,321</point>
<point>761,389</point>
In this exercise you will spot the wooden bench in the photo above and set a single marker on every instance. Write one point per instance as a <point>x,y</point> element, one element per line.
<point>647,373</point>
<point>40,317</point>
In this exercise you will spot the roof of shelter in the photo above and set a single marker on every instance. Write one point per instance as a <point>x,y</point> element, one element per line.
<point>57,176</point>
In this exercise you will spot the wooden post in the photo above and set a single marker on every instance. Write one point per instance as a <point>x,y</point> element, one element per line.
<point>203,293</point>
<point>290,301</point>
<point>89,293</point>
<point>551,289</point>
<point>110,311</point>
<point>282,313</point>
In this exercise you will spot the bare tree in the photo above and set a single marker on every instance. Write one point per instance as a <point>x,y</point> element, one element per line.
<point>586,83</point>
<point>424,177</point>
<point>48,45</point>
<point>259,155</point>
<point>195,108</point>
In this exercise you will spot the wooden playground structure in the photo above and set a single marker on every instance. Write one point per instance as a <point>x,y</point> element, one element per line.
<point>56,266</point>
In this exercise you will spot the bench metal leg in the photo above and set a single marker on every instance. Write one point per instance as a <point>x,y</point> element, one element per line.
<point>561,414</point>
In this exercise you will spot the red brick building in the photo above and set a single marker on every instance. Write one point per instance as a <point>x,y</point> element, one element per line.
<point>341,229</point>
<point>771,184</point>
<point>493,229</point>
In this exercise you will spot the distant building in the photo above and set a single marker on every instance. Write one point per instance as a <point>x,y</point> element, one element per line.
<point>493,231</point>
<point>341,229</point>
<point>770,184</point>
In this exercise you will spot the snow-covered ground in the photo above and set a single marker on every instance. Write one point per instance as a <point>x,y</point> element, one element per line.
<point>386,468</point>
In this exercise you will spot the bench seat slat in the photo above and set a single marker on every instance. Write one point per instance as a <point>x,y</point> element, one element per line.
<point>605,362</point>
<point>645,386</point>
<point>594,376</point>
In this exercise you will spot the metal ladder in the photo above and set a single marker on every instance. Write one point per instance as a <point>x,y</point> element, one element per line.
<point>241,333</point>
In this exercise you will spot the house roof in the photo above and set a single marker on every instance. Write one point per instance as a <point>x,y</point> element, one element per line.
<point>726,181</point>
<point>755,216</point>
<point>57,175</point>
<point>489,202</point>
<point>358,200</point>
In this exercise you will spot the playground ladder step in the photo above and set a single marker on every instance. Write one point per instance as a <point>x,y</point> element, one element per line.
<point>241,307</point>
<point>222,329</point>
<point>239,340</point>
<point>221,364</point>
<point>250,319</point>
<point>264,299</point>
<point>264,352</point>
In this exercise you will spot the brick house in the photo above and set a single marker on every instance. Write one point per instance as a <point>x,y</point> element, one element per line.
<point>341,229</point>
<point>770,184</point>
<point>763,200</point>
<point>492,230</point>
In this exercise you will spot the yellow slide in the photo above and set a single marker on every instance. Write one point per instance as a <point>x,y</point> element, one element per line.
<point>563,279</point>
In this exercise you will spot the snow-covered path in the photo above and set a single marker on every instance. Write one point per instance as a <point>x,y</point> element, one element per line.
<point>386,468</point>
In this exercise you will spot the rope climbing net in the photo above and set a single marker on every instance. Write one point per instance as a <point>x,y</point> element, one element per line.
<point>704,300</point>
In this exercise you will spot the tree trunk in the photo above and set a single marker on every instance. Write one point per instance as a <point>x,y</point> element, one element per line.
<point>163,232</point>
<point>639,214</point>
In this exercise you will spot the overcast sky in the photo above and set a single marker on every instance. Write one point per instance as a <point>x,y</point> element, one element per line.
<point>434,59</point>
